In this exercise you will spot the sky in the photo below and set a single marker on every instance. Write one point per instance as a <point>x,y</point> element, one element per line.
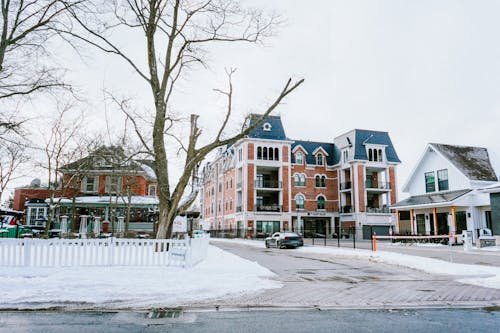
<point>424,71</point>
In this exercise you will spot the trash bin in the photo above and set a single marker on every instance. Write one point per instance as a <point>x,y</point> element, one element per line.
<point>105,226</point>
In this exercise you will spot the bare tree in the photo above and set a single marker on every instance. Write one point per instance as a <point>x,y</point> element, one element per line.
<point>62,144</point>
<point>176,33</point>
<point>12,157</point>
<point>26,26</point>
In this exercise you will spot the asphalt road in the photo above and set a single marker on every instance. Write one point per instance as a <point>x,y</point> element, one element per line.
<point>418,320</point>
<point>324,281</point>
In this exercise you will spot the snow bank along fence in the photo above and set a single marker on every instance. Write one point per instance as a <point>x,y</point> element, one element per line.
<point>102,252</point>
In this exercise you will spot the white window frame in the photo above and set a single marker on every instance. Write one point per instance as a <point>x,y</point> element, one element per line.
<point>152,189</point>
<point>95,185</point>
<point>109,184</point>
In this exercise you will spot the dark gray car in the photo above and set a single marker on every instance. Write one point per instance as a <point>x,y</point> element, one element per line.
<point>284,240</point>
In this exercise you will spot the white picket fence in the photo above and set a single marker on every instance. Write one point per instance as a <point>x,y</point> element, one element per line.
<point>55,252</point>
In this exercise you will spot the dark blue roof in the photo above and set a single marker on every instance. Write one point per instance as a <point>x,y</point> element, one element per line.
<point>374,137</point>
<point>277,131</point>
<point>332,151</point>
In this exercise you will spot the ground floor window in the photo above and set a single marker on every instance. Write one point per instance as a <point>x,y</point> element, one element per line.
<point>421,224</point>
<point>267,227</point>
<point>488,219</point>
<point>461,220</point>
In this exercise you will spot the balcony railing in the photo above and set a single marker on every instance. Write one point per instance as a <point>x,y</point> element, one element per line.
<point>262,183</point>
<point>378,210</point>
<point>378,185</point>
<point>346,209</point>
<point>238,208</point>
<point>268,208</point>
<point>345,186</point>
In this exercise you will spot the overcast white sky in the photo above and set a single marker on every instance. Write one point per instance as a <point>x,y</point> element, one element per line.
<point>425,71</point>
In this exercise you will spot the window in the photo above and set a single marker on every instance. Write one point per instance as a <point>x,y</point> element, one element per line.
<point>302,180</point>
<point>442,179</point>
<point>299,201</point>
<point>318,181</point>
<point>430,184</point>
<point>345,155</point>
<point>296,180</point>
<point>89,184</point>
<point>267,127</point>
<point>152,190</point>
<point>113,184</point>
<point>276,154</point>
<point>370,155</point>
<point>323,181</point>
<point>319,159</point>
<point>299,158</point>
<point>375,155</point>
<point>37,215</point>
<point>380,155</point>
<point>321,202</point>
<point>271,154</point>
<point>259,153</point>
<point>264,153</point>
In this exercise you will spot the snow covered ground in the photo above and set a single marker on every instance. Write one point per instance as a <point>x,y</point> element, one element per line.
<point>221,274</point>
<point>479,275</point>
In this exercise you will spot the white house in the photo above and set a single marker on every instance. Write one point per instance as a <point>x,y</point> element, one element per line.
<point>444,189</point>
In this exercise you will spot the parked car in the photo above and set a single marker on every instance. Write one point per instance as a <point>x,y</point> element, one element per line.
<point>284,240</point>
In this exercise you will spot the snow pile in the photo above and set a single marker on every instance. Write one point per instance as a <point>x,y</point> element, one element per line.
<point>221,274</point>
<point>484,276</point>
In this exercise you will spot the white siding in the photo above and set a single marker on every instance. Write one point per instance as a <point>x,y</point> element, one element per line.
<point>433,161</point>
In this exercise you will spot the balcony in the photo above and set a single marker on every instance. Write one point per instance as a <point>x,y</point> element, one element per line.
<point>378,210</point>
<point>346,209</point>
<point>370,184</point>
<point>268,183</point>
<point>268,208</point>
<point>345,186</point>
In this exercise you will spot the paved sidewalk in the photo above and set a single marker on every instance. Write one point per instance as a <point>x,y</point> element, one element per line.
<point>485,256</point>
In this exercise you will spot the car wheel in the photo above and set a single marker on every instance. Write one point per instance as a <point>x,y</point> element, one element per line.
<point>279,245</point>
<point>267,245</point>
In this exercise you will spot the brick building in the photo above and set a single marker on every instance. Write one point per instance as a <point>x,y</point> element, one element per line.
<point>267,182</point>
<point>104,184</point>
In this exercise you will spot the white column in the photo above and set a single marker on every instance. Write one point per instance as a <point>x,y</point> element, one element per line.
<point>83,226</point>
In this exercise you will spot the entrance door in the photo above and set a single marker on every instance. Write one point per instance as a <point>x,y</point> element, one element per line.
<point>442,224</point>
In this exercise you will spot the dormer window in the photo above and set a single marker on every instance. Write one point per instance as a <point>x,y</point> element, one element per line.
<point>319,159</point>
<point>375,155</point>
<point>299,158</point>
<point>267,127</point>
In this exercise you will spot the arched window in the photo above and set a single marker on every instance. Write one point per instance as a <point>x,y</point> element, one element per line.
<point>299,201</point>
<point>321,202</point>
<point>323,181</point>
<point>319,159</point>
<point>276,154</point>
<point>296,180</point>
<point>302,180</point>
<point>271,154</point>
<point>318,181</point>
<point>380,155</point>
<point>259,153</point>
<point>264,153</point>
<point>370,155</point>
<point>375,157</point>
<point>299,158</point>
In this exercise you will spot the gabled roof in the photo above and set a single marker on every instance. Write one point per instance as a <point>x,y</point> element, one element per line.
<point>108,159</point>
<point>364,137</point>
<point>277,132</point>
<point>473,162</point>
<point>431,199</point>
<point>332,158</point>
